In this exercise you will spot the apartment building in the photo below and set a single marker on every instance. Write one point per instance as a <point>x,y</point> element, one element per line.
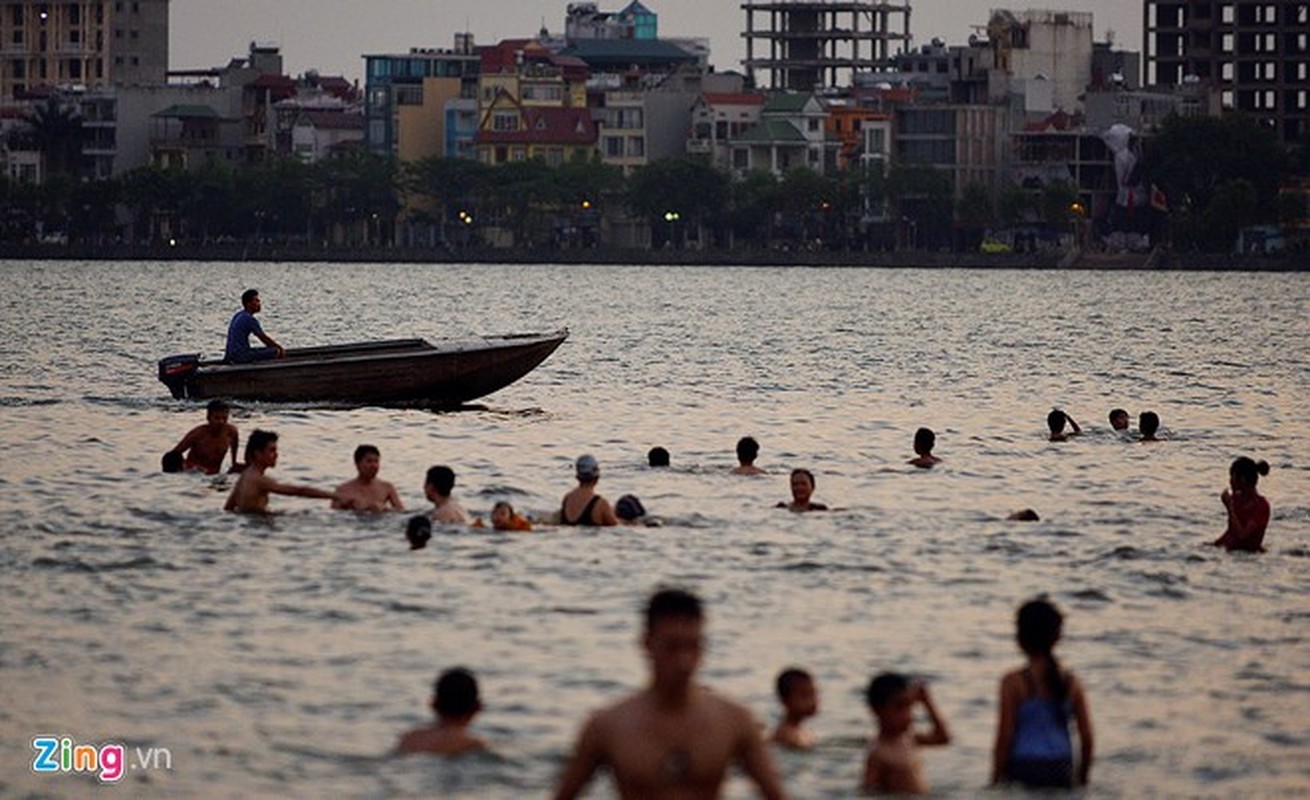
<point>62,43</point>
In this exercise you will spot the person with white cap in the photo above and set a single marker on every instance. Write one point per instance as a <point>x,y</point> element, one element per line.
<point>583,506</point>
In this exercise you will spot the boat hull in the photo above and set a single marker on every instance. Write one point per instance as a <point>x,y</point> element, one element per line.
<point>408,371</point>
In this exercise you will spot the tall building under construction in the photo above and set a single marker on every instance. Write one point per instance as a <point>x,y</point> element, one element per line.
<point>810,44</point>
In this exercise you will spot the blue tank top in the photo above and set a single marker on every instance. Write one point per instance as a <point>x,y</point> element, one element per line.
<point>1041,731</point>
<point>1041,727</point>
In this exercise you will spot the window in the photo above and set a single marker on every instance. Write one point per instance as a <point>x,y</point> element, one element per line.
<point>18,68</point>
<point>721,130</point>
<point>75,69</point>
<point>135,35</point>
<point>519,154</point>
<point>741,158</point>
<point>16,14</point>
<point>18,36</point>
<point>409,95</point>
<point>505,121</point>
<point>75,37</point>
<point>613,146</point>
<point>555,156</point>
<point>74,15</point>
<point>812,125</point>
<point>637,147</point>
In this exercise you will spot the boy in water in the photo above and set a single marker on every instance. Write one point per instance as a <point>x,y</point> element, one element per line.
<point>250,494</point>
<point>1119,419</point>
<point>1147,424</point>
<point>1056,421</point>
<point>204,446</point>
<point>799,697</point>
<point>893,765</point>
<point>437,487</point>
<point>674,738</point>
<point>924,441</point>
<point>747,451</point>
<point>455,702</point>
<point>366,492</point>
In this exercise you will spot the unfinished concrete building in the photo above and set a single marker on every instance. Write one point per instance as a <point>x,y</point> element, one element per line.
<point>1255,52</point>
<point>805,45</point>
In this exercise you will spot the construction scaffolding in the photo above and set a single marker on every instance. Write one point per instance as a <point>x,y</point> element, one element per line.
<point>815,44</point>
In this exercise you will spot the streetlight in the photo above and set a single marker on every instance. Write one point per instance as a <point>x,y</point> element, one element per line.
<point>671,217</point>
<point>1078,212</point>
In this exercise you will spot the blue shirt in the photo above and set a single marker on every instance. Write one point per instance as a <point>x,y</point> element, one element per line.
<point>243,324</point>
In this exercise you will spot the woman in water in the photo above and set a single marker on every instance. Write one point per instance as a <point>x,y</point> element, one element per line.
<point>802,489</point>
<point>1248,512</point>
<point>1033,746</point>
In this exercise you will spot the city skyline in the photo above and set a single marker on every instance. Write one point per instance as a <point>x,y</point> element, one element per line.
<point>311,34</point>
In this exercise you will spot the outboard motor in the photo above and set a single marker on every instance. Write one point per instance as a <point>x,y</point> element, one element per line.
<point>176,371</point>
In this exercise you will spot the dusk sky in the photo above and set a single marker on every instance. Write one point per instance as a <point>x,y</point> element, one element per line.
<point>332,35</point>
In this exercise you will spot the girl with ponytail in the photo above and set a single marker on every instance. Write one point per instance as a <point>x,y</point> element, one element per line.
<point>1033,745</point>
<point>1248,512</point>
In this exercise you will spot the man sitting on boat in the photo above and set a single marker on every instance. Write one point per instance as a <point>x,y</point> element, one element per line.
<point>243,324</point>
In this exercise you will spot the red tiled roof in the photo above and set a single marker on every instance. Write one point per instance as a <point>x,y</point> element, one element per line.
<point>572,126</point>
<point>501,57</point>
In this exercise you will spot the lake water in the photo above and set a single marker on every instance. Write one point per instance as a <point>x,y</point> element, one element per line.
<point>284,656</point>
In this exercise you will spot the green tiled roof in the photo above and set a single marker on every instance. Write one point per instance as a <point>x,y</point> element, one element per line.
<point>784,103</point>
<point>772,130</point>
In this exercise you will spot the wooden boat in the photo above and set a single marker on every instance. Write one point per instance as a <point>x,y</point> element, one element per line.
<point>399,371</point>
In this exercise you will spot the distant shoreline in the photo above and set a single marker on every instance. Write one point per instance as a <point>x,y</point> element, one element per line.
<point>617,257</point>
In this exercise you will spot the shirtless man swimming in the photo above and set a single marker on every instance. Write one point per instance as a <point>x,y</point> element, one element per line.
<point>674,739</point>
<point>205,445</point>
<point>367,492</point>
<point>250,495</point>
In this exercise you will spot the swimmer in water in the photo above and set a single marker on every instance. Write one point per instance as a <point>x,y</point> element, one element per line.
<point>250,494</point>
<point>1248,511</point>
<point>418,531</point>
<point>367,492</point>
<point>1056,421</point>
<point>203,447</point>
<point>747,451</point>
<point>455,702</point>
<point>1119,419</point>
<point>893,765</point>
<point>503,518</point>
<point>924,441</point>
<point>1033,746</point>
<point>802,488</point>
<point>1147,424</point>
<point>675,738</point>
<point>658,457</point>
<point>438,485</point>
<point>583,506</point>
<point>799,696</point>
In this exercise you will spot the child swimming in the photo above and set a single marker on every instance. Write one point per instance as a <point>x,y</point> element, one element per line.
<point>893,765</point>
<point>799,697</point>
<point>1033,746</point>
